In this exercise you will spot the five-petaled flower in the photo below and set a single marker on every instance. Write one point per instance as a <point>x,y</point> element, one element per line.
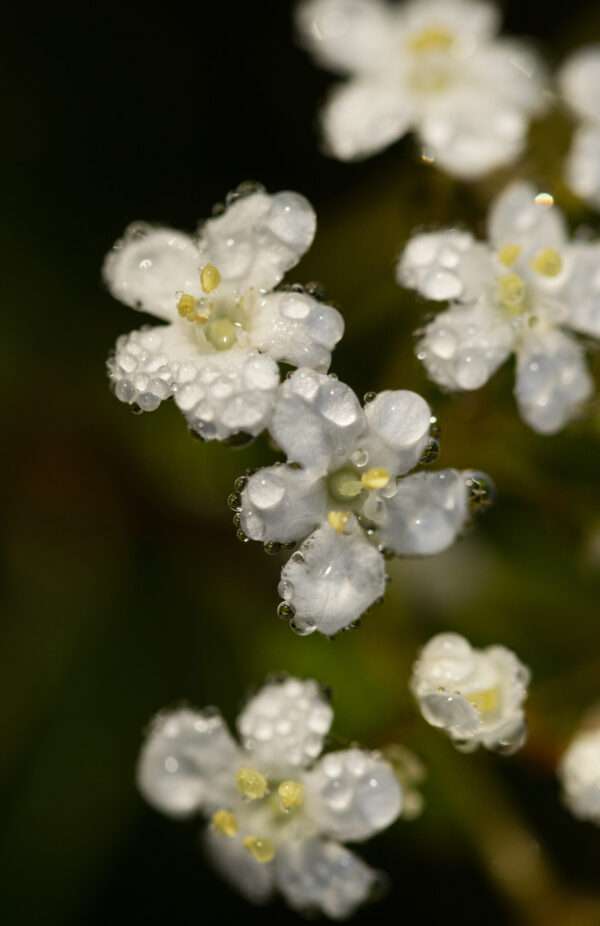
<point>278,816</point>
<point>434,66</point>
<point>476,696</point>
<point>227,330</point>
<point>579,80</point>
<point>513,295</point>
<point>341,497</point>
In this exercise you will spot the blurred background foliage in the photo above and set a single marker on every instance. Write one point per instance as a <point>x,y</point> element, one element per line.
<point>125,588</point>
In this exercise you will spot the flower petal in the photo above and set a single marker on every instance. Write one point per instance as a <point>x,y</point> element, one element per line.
<point>579,772</point>
<point>445,265</point>
<point>352,794</point>
<point>582,292</point>
<point>284,725</point>
<point>471,21</point>
<point>399,424</point>
<point>365,116</point>
<point>579,80</point>
<point>282,504</point>
<point>294,328</point>
<point>582,168</point>
<point>347,35</point>
<point>426,513</point>
<point>316,420</point>
<point>185,762</point>
<point>253,880</point>
<point>552,381</point>
<point>323,876</point>
<point>220,394</point>
<point>258,238</point>
<point>464,346</point>
<point>520,216</point>
<point>333,579</point>
<point>148,267</point>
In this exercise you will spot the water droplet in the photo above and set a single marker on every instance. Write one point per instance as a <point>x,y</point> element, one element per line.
<point>272,548</point>
<point>246,188</point>
<point>360,458</point>
<point>218,209</point>
<point>285,589</point>
<point>242,537</point>
<point>303,627</point>
<point>241,439</point>
<point>285,611</point>
<point>234,501</point>
<point>240,483</point>
<point>317,291</point>
<point>481,489</point>
<point>297,557</point>
<point>431,452</point>
<point>236,520</point>
<point>369,397</point>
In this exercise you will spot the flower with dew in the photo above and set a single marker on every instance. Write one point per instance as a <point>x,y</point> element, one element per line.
<point>579,80</point>
<point>579,772</point>
<point>475,695</point>
<point>524,292</point>
<point>341,497</point>
<point>226,328</point>
<point>278,813</point>
<point>435,67</point>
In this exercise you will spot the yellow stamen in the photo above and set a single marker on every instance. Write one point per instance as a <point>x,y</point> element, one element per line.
<point>376,478</point>
<point>252,784</point>
<point>485,702</point>
<point>262,850</point>
<point>221,333</point>
<point>225,823</point>
<point>547,262</point>
<point>508,254</point>
<point>291,794</point>
<point>338,520</point>
<point>512,292</point>
<point>435,38</point>
<point>209,278</point>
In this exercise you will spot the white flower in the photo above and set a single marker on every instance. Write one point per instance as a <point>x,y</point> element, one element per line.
<point>513,295</point>
<point>432,66</point>
<point>341,491</point>
<point>579,80</point>
<point>476,696</point>
<point>278,816</point>
<point>226,330</point>
<point>579,772</point>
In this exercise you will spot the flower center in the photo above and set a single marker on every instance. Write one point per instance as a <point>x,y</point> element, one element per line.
<point>346,485</point>
<point>485,702</point>
<point>431,39</point>
<point>221,318</point>
<point>512,293</point>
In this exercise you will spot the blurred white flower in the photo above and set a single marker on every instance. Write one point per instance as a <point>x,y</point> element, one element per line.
<point>514,294</point>
<point>579,80</point>
<point>226,330</point>
<point>432,66</point>
<point>278,816</point>
<point>340,493</point>
<point>579,772</point>
<point>476,696</point>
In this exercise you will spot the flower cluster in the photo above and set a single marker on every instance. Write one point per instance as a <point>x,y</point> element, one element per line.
<point>524,292</point>
<point>579,772</point>
<point>278,813</point>
<point>579,81</point>
<point>476,696</point>
<point>434,66</point>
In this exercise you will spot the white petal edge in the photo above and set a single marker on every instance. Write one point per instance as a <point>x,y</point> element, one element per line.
<point>354,36</point>
<point>253,880</point>
<point>399,423</point>
<point>294,328</point>
<point>579,79</point>
<point>282,504</point>
<point>363,117</point>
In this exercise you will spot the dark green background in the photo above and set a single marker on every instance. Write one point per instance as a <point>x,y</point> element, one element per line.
<point>126,589</point>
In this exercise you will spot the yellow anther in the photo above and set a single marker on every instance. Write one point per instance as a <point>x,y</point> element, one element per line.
<point>508,254</point>
<point>435,38</point>
<point>548,262</point>
<point>252,784</point>
<point>189,308</point>
<point>512,292</point>
<point>338,520</point>
<point>209,278</point>
<point>221,333</point>
<point>262,850</point>
<point>485,702</point>
<point>291,794</point>
<point>376,478</point>
<point>225,823</point>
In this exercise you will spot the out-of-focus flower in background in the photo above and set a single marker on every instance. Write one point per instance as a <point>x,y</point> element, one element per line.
<point>436,67</point>
<point>476,696</point>
<point>227,329</point>
<point>579,81</point>
<point>278,813</point>
<point>513,295</point>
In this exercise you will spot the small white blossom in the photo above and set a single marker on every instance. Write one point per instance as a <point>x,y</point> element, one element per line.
<point>227,330</point>
<point>435,67</point>
<point>341,498</point>
<point>579,772</point>
<point>476,696</point>
<point>579,81</point>
<point>516,294</point>
<point>278,813</point>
